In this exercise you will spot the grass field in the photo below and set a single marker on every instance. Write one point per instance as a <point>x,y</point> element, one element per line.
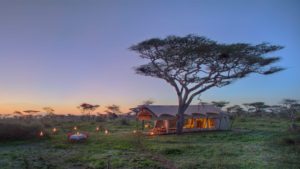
<point>253,143</point>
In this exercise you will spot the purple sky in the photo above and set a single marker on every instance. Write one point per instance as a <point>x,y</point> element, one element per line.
<point>60,53</point>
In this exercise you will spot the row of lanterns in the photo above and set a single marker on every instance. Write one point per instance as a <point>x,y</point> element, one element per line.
<point>54,130</point>
<point>106,132</point>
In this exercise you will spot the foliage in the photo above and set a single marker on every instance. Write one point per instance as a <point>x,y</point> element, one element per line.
<point>86,108</point>
<point>220,104</point>
<point>115,109</point>
<point>49,111</point>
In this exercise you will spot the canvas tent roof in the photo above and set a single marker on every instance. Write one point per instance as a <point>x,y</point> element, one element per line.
<point>160,111</point>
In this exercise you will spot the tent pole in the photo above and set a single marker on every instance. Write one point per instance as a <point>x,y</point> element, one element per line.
<point>206,122</point>
<point>220,122</point>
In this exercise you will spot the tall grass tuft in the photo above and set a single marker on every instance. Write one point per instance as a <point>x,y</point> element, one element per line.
<point>11,130</point>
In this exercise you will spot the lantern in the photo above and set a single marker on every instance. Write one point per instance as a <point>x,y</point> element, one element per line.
<point>75,128</point>
<point>106,131</point>
<point>41,134</point>
<point>54,130</point>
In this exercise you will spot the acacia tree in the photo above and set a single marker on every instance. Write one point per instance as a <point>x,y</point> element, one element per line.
<point>291,106</point>
<point>258,107</point>
<point>112,111</point>
<point>18,113</point>
<point>147,102</point>
<point>30,113</point>
<point>193,64</point>
<point>49,111</point>
<point>234,112</point>
<point>87,109</point>
<point>220,104</point>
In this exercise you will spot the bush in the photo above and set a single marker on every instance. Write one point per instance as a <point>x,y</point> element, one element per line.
<point>172,151</point>
<point>18,130</point>
<point>124,122</point>
<point>290,140</point>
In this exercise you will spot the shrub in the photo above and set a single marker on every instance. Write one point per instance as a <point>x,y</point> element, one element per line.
<point>290,140</point>
<point>18,130</point>
<point>172,151</point>
<point>124,122</point>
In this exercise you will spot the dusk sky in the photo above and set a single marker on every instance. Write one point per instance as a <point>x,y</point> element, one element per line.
<point>61,53</point>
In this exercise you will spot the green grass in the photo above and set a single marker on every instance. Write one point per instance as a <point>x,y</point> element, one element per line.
<point>253,143</point>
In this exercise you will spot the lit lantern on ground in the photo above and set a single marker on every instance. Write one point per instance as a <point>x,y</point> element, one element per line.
<point>75,128</point>
<point>41,134</point>
<point>134,131</point>
<point>54,130</point>
<point>147,126</point>
<point>106,131</point>
<point>97,128</point>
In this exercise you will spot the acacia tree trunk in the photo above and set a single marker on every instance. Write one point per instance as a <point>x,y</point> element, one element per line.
<point>180,119</point>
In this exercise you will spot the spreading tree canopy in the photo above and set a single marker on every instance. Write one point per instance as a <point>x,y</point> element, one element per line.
<point>193,64</point>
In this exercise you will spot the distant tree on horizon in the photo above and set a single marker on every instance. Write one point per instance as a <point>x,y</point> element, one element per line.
<point>49,111</point>
<point>193,64</point>
<point>234,112</point>
<point>18,113</point>
<point>87,109</point>
<point>147,102</point>
<point>30,113</point>
<point>292,106</point>
<point>258,107</point>
<point>113,109</point>
<point>220,104</point>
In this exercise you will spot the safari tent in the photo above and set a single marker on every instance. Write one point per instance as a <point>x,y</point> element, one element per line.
<point>197,118</point>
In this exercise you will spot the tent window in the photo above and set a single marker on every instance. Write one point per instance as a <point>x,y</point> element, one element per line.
<point>204,123</point>
<point>200,123</point>
<point>211,123</point>
<point>189,123</point>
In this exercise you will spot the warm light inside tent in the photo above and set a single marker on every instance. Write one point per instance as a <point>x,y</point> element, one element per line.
<point>199,123</point>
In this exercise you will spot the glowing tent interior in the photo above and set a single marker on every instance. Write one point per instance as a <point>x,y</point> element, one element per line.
<point>197,118</point>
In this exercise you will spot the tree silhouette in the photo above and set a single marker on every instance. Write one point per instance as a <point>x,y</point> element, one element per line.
<point>220,104</point>
<point>113,109</point>
<point>49,111</point>
<point>87,109</point>
<point>194,64</point>
<point>292,106</point>
<point>148,102</point>
<point>234,112</point>
<point>18,113</point>
<point>258,107</point>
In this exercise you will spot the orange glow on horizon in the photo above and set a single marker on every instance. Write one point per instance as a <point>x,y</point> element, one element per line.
<point>59,109</point>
